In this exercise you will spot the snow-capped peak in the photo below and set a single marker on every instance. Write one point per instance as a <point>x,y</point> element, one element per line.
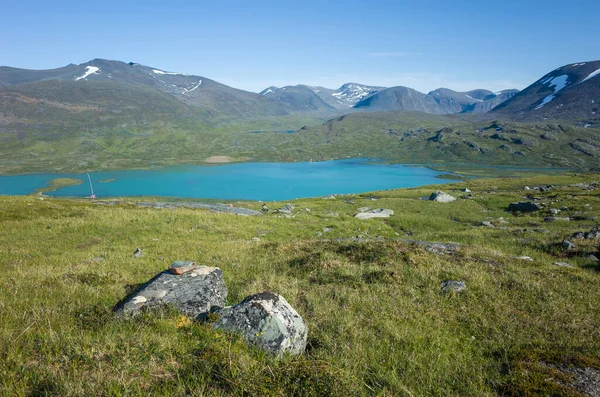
<point>89,70</point>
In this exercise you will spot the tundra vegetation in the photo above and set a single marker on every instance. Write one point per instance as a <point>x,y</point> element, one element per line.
<point>369,290</point>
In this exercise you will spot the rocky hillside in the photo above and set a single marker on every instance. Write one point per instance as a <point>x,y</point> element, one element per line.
<point>571,92</point>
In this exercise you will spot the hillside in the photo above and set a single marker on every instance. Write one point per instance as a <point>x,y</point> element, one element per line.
<point>216,100</point>
<point>369,291</point>
<point>298,99</point>
<point>571,92</point>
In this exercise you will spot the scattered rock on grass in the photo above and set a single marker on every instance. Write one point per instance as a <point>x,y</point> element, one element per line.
<point>524,206</point>
<point>452,285</point>
<point>193,292</point>
<point>466,190</point>
<point>441,197</point>
<point>523,258</point>
<point>266,320</point>
<point>566,244</point>
<point>137,253</point>
<point>377,213</point>
<point>556,219</point>
<point>563,264</point>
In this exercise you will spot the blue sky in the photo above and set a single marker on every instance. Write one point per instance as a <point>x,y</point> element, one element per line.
<point>250,45</point>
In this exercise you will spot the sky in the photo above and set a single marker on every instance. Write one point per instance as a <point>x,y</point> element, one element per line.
<point>426,44</point>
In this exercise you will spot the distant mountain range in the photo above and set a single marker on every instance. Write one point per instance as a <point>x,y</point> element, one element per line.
<point>358,97</point>
<point>143,92</point>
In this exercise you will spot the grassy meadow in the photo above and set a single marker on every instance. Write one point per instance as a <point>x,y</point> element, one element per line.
<point>378,322</point>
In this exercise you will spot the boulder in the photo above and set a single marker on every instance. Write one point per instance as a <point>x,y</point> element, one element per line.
<point>286,209</point>
<point>376,213</point>
<point>441,197</point>
<point>569,246</point>
<point>192,293</point>
<point>453,286</point>
<point>465,190</point>
<point>524,206</point>
<point>266,320</point>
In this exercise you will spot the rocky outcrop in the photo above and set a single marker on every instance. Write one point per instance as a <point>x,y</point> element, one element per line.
<point>441,197</point>
<point>266,320</point>
<point>193,292</point>
<point>376,213</point>
<point>524,206</point>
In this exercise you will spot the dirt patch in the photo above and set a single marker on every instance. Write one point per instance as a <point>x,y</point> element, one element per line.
<point>218,159</point>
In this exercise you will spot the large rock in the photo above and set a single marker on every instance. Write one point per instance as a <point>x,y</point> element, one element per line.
<point>441,197</point>
<point>193,292</point>
<point>377,213</point>
<point>266,320</point>
<point>524,206</point>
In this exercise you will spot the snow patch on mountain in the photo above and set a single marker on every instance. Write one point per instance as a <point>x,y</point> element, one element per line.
<point>185,90</point>
<point>171,73</point>
<point>469,96</point>
<point>558,83</point>
<point>268,91</point>
<point>592,75</point>
<point>89,70</point>
<point>352,92</point>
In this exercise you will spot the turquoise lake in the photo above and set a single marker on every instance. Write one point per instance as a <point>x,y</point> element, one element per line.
<point>241,181</point>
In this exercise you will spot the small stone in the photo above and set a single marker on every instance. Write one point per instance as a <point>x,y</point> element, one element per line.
<point>564,264</point>
<point>330,197</point>
<point>137,253</point>
<point>466,190</point>
<point>566,244</point>
<point>255,239</point>
<point>523,258</point>
<point>556,219</point>
<point>264,208</point>
<point>592,257</point>
<point>578,235</point>
<point>554,211</point>
<point>487,223</point>
<point>180,267</point>
<point>441,197</point>
<point>524,206</point>
<point>377,213</point>
<point>327,229</point>
<point>451,285</point>
<point>526,188</point>
<point>363,209</point>
<point>307,210</point>
<point>319,234</point>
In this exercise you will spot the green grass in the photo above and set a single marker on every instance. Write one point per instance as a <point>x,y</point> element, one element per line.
<point>378,323</point>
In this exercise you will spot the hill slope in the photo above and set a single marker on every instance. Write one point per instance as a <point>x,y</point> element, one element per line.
<point>571,92</point>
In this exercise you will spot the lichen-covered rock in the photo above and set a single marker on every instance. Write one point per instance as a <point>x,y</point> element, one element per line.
<point>376,213</point>
<point>452,286</point>
<point>523,206</point>
<point>193,292</point>
<point>441,197</point>
<point>266,320</point>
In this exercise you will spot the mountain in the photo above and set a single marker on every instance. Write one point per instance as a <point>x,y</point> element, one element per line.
<point>400,98</point>
<point>347,95</point>
<point>344,98</point>
<point>571,92</point>
<point>490,101</point>
<point>214,98</point>
<point>451,101</point>
<point>297,99</point>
